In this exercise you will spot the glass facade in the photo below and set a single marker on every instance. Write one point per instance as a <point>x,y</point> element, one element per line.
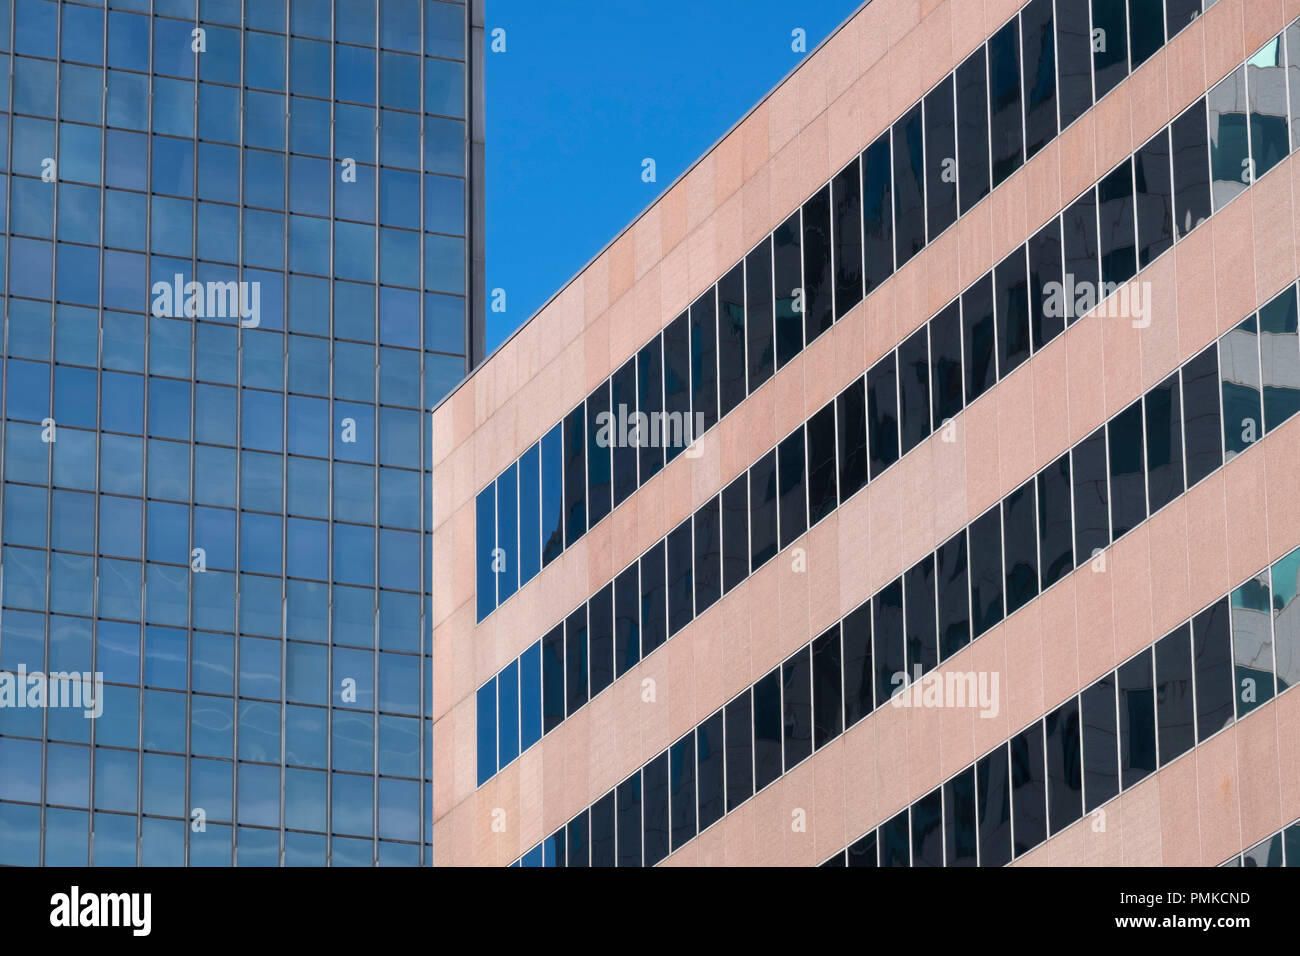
<point>239,273</point>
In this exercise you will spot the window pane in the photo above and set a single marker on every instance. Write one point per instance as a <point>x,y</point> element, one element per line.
<point>1191,169</point>
<point>1146,29</point>
<point>1286,626</point>
<point>954,596</point>
<point>945,364</point>
<point>877,213</point>
<point>791,463</point>
<point>1055,538</point>
<point>508,713</point>
<point>922,623</point>
<point>735,533</point>
<point>731,338</point>
<point>649,392</point>
<point>553,679</point>
<point>828,700</point>
<point>941,157</point>
<point>1270,140</point>
<point>1064,766</point>
<point>1174,714</point>
<point>846,193</point>
<point>1116,217</point>
<point>986,570</point>
<point>709,757</point>
<point>485,525</point>
<point>1082,271</point>
<point>552,495</point>
<point>599,462</point>
<point>1229,146</point>
<point>1279,352</point>
<point>1028,788</point>
<point>487,731</point>
<point>767,729</point>
<point>708,555</point>
<point>704,367</point>
<point>677,386</point>
<point>600,610</point>
<point>655,809</point>
<point>654,603</point>
<point>1164,438</point>
<point>575,476</point>
<point>1252,643</point>
<point>882,413</point>
<point>978,337</point>
<point>1180,13</point>
<point>787,272</point>
<point>1137,719</point>
<point>740,752</point>
<point>622,404</point>
<point>909,186</point>
<point>1006,132</point>
<point>1038,40</point>
<point>1128,493</point>
<point>1155,199</point>
<point>603,850</point>
<point>530,696</point>
<point>859,677</point>
<point>1074,48</point>
<point>1293,78</point>
<point>762,510</point>
<point>1091,497</point>
<point>530,514</point>
<point>681,585</point>
<point>822,498</point>
<point>927,830</point>
<point>818,303</point>
<point>887,640</point>
<point>1239,372</point>
<point>993,789</point>
<point>1110,45</point>
<point>959,819</point>
<point>972,130</point>
<point>758,318</point>
<point>914,388</point>
<point>1011,283</point>
<point>681,763</point>
<point>1204,438</point>
<point>895,840</point>
<point>1020,542</point>
<point>1212,649</point>
<point>1100,756</point>
<point>627,620</point>
<point>851,438</point>
<point>796,706</point>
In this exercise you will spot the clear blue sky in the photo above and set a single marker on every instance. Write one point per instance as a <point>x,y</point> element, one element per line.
<point>585,90</point>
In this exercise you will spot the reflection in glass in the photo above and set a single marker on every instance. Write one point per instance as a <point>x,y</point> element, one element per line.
<point>1229,146</point>
<point>1285,578</point>
<point>1252,644</point>
<point>1239,373</point>
<point>1266,82</point>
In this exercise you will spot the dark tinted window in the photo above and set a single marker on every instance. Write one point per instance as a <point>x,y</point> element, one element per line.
<point>1164,437</point>
<point>627,620</point>
<point>1239,374</point>
<point>1115,214</point>
<point>1006,133</point>
<point>954,595</point>
<point>575,657</point>
<point>993,786</point>
<point>740,751</point>
<point>1128,493</point>
<point>681,772</point>
<point>654,601</point>
<point>1055,545</point>
<point>794,495</point>
<point>972,130</point>
<point>846,199</point>
<point>629,821</point>
<point>1079,234</point>
<point>655,809</point>
<point>1028,788</point>
<point>709,757</point>
<point>575,477</point>
<point>762,510</point>
<point>1191,169</point>
<point>927,830</point>
<point>1064,766</point>
<point>828,694</point>
<point>796,707</point>
<point>978,337</point>
<point>822,499</point>
<point>1039,69</point>
<point>888,650</point>
<point>851,437</point>
<point>1011,282</point>
<point>877,213</point>
<point>940,157</point>
<point>600,637</point>
<point>896,840</point>
<point>530,514</point>
<point>1175,716</point>
<point>708,554</point>
<point>1110,46</point>
<point>1020,542</point>
<point>914,388</point>
<point>909,186</point>
<point>818,283</point>
<point>704,365</point>
<point>945,364</point>
<point>1074,50</point>
<point>1155,198</point>
<point>552,495</point>
<point>735,533</point>
<point>1137,719</point>
<point>882,413</point>
<point>623,403</point>
<point>922,626</point>
<point>1204,438</point>
<point>731,339</point>
<point>788,282</point>
<point>959,819</point>
<point>1091,496</point>
<point>1279,353</point>
<point>650,402</point>
<point>758,314</point>
<point>1100,754</point>
<point>858,672</point>
<point>681,585</point>
<point>1180,13</point>
<point>986,570</point>
<point>767,729</point>
<point>599,463</point>
<point>1046,303</point>
<point>1212,650</point>
<point>553,678</point>
<point>1146,29</point>
<point>603,852</point>
<point>862,852</point>
<point>677,386</point>
<point>579,850</point>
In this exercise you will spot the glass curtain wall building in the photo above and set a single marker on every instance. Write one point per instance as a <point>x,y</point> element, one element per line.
<point>242,263</point>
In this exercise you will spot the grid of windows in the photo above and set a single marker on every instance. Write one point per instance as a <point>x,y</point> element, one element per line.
<point>1168,698</point>
<point>975,128</point>
<point>226,516</point>
<point>947,363</point>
